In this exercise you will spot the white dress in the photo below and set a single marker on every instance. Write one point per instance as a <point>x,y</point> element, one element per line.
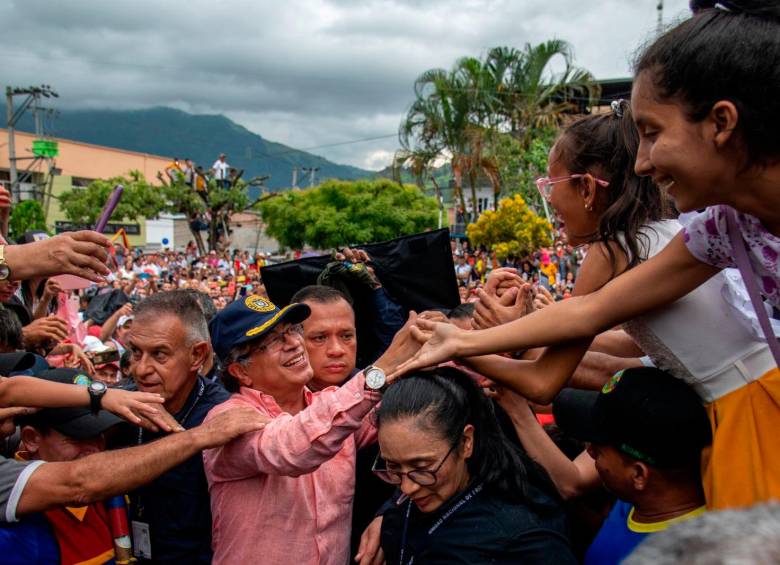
<point>701,338</point>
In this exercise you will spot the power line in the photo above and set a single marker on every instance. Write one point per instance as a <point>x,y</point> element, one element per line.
<point>350,142</point>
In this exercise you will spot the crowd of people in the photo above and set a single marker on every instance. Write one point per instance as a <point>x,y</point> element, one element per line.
<point>610,399</point>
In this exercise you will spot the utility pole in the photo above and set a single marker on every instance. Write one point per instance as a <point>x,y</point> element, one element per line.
<point>659,27</point>
<point>33,100</point>
<point>311,171</point>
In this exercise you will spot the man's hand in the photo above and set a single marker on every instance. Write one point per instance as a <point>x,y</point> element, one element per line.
<point>369,551</point>
<point>490,311</point>
<point>81,253</point>
<point>228,425</point>
<point>402,348</point>
<point>441,344</point>
<point>141,408</point>
<point>125,310</point>
<point>42,331</point>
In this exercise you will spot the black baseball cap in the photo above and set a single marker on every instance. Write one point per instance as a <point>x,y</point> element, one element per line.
<point>249,318</point>
<point>76,423</point>
<point>643,412</point>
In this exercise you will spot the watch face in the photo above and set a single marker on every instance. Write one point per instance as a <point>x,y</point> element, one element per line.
<point>4,272</point>
<point>375,379</point>
<point>98,387</point>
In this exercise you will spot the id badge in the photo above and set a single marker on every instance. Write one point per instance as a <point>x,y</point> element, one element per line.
<point>142,541</point>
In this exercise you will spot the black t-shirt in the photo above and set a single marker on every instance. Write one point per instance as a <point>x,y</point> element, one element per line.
<point>485,529</point>
<point>176,505</point>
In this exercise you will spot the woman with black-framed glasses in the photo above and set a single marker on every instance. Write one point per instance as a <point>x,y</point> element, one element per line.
<point>466,494</point>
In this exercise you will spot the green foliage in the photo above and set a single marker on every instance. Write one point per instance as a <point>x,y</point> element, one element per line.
<point>520,166</point>
<point>339,213</point>
<point>25,216</point>
<point>461,114</point>
<point>139,200</point>
<point>513,229</point>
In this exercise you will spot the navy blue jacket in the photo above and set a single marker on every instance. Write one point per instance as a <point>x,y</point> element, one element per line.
<point>176,505</point>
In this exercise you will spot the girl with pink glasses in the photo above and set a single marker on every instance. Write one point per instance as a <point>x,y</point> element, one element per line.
<point>706,105</point>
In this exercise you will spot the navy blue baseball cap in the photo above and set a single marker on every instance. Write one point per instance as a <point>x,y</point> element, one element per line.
<point>249,318</point>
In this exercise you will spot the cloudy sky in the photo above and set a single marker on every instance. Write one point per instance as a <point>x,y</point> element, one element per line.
<point>307,73</point>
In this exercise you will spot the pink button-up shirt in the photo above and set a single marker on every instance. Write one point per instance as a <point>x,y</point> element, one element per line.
<point>284,494</point>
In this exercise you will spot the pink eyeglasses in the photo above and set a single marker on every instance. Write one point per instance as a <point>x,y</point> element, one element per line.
<point>544,184</point>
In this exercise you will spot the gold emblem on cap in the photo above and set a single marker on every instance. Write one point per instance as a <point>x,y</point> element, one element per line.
<point>259,304</point>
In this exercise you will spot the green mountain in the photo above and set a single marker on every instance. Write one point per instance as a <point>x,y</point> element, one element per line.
<point>173,133</point>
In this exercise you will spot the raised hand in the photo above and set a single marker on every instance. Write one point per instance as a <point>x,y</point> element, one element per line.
<point>501,280</point>
<point>490,311</point>
<point>402,348</point>
<point>42,331</point>
<point>441,344</point>
<point>543,298</point>
<point>141,408</point>
<point>81,253</point>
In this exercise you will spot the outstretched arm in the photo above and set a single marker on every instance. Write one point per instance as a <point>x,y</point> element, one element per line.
<point>571,478</point>
<point>105,474</point>
<point>668,276</point>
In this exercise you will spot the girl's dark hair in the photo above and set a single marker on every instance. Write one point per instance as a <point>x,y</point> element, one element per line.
<point>729,50</point>
<point>446,401</point>
<point>606,145</point>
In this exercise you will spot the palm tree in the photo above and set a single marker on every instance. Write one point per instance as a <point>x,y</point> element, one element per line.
<point>458,114</point>
<point>531,96</point>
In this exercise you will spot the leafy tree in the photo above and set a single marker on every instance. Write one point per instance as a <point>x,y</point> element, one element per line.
<point>520,166</point>
<point>465,114</point>
<point>25,216</point>
<point>339,213</point>
<point>210,205</point>
<point>513,229</point>
<point>139,200</point>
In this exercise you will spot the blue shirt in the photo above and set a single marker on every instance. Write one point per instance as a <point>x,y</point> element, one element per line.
<point>620,534</point>
<point>30,541</point>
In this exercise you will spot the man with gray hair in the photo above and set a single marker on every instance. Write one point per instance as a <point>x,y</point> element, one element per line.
<point>169,344</point>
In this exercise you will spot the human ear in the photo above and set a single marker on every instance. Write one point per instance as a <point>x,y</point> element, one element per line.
<point>640,474</point>
<point>468,441</point>
<point>199,352</point>
<point>31,439</point>
<point>238,372</point>
<point>587,190</point>
<point>724,118</point>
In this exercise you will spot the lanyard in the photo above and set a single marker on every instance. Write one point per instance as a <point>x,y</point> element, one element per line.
<point>183,418</point>
<point>457,506</point>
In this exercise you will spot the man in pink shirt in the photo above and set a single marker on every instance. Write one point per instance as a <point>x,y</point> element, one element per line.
<point>285,495</point>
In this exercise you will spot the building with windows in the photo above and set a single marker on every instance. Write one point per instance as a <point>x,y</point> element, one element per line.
<point>76,165</point>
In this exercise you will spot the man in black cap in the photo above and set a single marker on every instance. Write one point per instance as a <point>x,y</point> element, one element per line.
<point>646,432</point>
<point>81,533</point>
<point>30,487</point>
<point>302,471</point>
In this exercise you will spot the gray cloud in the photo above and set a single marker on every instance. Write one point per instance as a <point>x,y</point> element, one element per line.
<point>305,72</point>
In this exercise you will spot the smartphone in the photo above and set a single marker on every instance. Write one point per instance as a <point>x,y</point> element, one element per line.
<point>103,357</point>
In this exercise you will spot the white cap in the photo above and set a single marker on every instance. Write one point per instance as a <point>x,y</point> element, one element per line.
<point>94,345</point>
<point>123,320</point>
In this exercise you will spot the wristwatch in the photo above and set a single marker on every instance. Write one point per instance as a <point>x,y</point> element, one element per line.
<point>5,270</point>
<point>375,378</point>
<point>96,391</point>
